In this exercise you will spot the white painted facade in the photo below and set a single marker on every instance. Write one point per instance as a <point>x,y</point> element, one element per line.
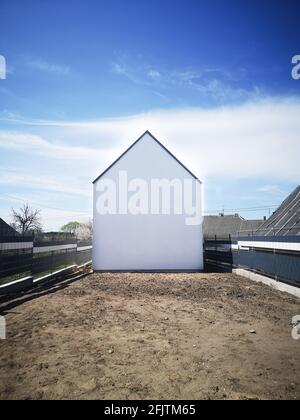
<point>142,242</point>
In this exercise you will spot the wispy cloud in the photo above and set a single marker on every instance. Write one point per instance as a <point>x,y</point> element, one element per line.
<point>44,66</point>
<point>154,74</point>
<point>122,70</point>
<point>59,184</point>
<point>268,189</point>
<point>36,145</point>
<point>273,191</point>
<point>217,84</point>
<point>257,141</point>
<point>252,140</point>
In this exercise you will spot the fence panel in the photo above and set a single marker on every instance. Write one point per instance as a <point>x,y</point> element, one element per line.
<point>21,257</point>
<point>15,265</point>
<point>84,256</point>
<point>277,257</point>
<point>288,267</point>
<point>15,257</point>
<point>218,254</point>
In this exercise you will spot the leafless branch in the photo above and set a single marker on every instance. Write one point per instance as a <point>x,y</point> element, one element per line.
<point>26,219</point>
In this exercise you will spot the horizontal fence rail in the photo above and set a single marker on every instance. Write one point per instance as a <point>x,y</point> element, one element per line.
<point>271,231</point>
<point>23,257</point>
<point>277,257</point>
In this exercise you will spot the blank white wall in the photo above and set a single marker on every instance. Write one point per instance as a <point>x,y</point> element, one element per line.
<point>146,242</point>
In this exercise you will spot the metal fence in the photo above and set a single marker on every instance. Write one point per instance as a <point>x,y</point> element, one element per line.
<point>271,231</point>
<point>277,257</point>
<point>22,256</point>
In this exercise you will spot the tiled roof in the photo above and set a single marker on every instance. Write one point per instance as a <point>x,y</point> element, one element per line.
<point>223,226</point>
<point>286,219</point>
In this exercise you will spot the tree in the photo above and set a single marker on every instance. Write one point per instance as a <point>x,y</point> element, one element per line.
<point>71,227</point>
<point>83,231</point>
<point>26,220</point>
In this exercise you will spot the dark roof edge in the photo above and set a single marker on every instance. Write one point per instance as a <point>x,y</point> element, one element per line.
<point>133,144</point>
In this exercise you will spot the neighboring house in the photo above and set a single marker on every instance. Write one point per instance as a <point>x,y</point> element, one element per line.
<point>133,233</point>
<point>6,230</point>
<point>285,221</point>
<point>223,226</point>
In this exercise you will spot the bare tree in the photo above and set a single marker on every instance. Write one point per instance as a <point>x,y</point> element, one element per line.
<point>26,220</point>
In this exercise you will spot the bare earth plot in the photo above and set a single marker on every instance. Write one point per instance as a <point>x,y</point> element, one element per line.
<point>151,336</point>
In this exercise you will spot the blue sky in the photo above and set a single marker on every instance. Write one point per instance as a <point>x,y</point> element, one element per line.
<point>211,79</point>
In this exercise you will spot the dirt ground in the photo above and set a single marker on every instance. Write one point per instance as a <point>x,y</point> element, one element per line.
<point>151,336</point>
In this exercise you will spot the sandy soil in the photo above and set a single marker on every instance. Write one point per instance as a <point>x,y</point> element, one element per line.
<point>151,336</point>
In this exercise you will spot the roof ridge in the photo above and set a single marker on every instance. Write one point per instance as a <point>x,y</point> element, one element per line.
<point>160,144</point>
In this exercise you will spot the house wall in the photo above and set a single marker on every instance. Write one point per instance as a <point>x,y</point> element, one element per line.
<point>146,242</point>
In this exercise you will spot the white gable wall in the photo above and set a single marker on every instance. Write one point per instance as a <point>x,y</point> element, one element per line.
<point>146,242</point>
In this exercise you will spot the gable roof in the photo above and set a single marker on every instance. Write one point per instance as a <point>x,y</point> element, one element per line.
<point>6,230</point>
<point>160,144</point>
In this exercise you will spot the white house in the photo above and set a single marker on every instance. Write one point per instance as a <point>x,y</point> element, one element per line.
<point>147,212</point>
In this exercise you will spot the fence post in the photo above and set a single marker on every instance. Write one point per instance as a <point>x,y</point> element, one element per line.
<point>52,257</point>
<point>31,264</point>
<point>238,253</point>
<point>275,265</point>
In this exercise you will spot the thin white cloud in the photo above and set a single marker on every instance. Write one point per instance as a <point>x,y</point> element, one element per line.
<point>256,140</point>
<point>122,70</point>
<point>44,66</point>
<point>154,74</point>
<point>210,83</point>
<point>36,145</point>
<point>259,139</point>
<point>268,189</point>
<point>59,183</point>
